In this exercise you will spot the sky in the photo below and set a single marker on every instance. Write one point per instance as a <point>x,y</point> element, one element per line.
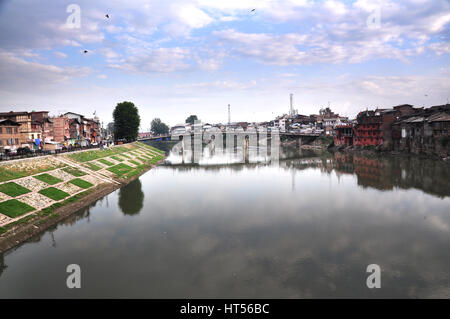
<point>182,57</point>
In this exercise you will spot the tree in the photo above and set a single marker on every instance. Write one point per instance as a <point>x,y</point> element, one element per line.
<point>126,121</point>
<point>159,127</point>
<point>191,119</point>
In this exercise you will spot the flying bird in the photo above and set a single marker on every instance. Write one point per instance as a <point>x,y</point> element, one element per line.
<point>85,51</point>
<point>252,10</point>
<point>107,16</point>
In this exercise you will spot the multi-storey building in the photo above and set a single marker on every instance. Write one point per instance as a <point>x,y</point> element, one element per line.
<point>343,135</point>
<point>10,136</point>
<point>24,120</point>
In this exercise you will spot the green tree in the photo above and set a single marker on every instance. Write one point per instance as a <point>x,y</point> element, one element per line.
<point>191,119</point>
<point>159,127</point>
<point>126,121</point>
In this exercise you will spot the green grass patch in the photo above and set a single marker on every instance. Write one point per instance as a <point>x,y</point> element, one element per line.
<point>9,172</point>
<point>53,193</point>
<point>49,179</point>
<point>117,158</point>
<point>93,166</point>
<point>148,147</point>
<point>143,160</point>
<point>134,162</point>
<point>74,171</point>
<point>103,161</point>
<point>12,189</point>
<point>6,175</point>
<point>125,156</point>
<point>13,208</point>
<point>81,183</point>
<point>93,155</point>
<point>120,169</point>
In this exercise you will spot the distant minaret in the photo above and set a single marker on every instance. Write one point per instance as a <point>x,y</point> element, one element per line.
<point>291,111</point>
<point>229,116</point>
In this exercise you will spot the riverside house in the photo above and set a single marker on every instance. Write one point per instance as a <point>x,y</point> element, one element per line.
<point>9,135</point>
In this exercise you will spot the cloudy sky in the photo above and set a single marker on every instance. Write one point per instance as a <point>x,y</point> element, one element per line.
<point>181,57</point>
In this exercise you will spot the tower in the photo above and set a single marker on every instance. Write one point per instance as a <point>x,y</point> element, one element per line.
<point>229,116</point>
<point>291,110</point>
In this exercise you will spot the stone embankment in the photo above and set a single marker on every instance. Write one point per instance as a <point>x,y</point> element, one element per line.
<point>37,192</point>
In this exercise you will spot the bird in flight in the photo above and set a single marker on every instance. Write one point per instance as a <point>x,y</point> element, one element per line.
<point>85,51</point>
<point>252,10</point>
<point>107,16</point>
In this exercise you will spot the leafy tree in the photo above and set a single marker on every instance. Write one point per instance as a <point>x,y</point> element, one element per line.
<point>126,121</point>
<point>159,127</point>
<point>191,119</point>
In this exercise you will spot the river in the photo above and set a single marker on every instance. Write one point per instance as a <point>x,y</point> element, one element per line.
<point>305,227</point>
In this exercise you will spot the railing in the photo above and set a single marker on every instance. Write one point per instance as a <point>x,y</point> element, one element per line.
<point>37,153</point>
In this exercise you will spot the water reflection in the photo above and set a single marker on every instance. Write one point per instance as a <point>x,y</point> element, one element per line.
<point>131,198</point>
<point>307,227</point>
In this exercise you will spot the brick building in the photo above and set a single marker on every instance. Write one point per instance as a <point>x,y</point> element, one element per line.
<point>10,135</point>
<point>343,135</point>
<point>374,128</point>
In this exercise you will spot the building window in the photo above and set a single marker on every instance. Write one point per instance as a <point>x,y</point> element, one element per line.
<point>1,142</point>
<point>9,130</point>
<point>1,130</point>
<point>15,130</point>
<point>17,141</point>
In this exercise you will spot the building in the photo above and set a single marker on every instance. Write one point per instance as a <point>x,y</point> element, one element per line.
<point>24,120</point>
<point>10,135</point>
<point>328,120</point>
<point>374,128</point>
<point>41,125</point>
<point>61,132</point>
<point>343,135</point>
<point>426,131</point>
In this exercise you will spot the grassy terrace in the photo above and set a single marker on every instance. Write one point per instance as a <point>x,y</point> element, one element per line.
<point>93,167</point>
<point>125,156</point>
<point>43,215</point>
<point>117,158</point>
<point>19,169</point>
<point>54,193</point>
<point>81,183</point>
<point>49,179</point>
<point>96,160</point>
<point>12,189</point>
<point>92,155</point>
<point>14,208</point>
<point>106,162</point>
<point>74,171</point>
<point>120,169</point>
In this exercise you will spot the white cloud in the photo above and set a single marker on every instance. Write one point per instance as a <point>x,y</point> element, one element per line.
<point>60,55</point>
<point>18,73</point>
<point>161,60</point>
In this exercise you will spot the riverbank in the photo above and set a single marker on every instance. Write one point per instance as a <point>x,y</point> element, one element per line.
<point>38,193</point>
<point>371,151</point>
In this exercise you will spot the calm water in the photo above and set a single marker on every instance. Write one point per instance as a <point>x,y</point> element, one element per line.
<point>306,227</point>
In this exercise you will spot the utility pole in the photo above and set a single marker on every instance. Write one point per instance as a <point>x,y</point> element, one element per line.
<point>229,115</point>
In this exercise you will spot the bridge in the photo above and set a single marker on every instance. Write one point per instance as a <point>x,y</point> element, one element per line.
<point>168,137</point>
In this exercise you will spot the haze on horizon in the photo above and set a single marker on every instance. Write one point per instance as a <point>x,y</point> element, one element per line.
<point>177,58</point>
